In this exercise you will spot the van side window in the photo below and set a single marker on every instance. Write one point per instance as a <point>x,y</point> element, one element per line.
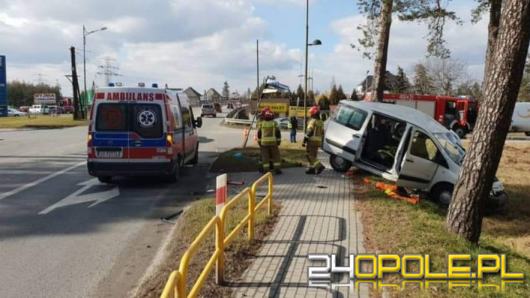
<point>176,114</point>
<point>186,118</point>
<point>423,146</point>
<point>351,117</point>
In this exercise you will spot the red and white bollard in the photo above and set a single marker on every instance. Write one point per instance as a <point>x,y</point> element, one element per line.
<point>221,192</point>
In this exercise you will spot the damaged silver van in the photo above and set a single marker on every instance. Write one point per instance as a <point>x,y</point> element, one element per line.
<point>400,144</point>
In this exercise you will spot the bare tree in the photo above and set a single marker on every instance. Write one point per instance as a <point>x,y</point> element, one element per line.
<point>445,74</point>
<point>502,81</point>
<point>379,19</point>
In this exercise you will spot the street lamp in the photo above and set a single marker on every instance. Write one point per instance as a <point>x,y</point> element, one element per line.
<point>85,34</point>
<point>316,42</point>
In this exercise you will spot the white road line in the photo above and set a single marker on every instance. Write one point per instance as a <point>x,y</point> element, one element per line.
<point>38,181</point>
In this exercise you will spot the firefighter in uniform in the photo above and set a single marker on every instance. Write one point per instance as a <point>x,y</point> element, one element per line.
<point>269,139</point>
<point>313,139</point>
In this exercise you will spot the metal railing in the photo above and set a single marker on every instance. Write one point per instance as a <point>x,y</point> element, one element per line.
<point>176,283</point>
<point>237,121</point>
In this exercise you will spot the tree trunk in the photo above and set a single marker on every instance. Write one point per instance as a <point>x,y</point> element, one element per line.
<point>493,30</point>
<point>503,79</point>
<point>382,50</point>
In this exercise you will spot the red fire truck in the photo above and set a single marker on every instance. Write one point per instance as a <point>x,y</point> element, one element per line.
<point>456,113</point>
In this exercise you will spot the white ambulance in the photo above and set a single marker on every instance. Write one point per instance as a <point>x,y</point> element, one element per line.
<point>141,132</point>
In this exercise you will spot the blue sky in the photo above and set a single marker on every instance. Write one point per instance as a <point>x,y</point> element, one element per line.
<point>204,43</point>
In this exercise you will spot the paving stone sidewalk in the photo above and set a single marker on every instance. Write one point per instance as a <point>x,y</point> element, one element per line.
<point>317,216</point>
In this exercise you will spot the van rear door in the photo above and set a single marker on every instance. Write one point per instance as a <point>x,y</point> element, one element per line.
<point>147,140</point>
<point>111,131</point>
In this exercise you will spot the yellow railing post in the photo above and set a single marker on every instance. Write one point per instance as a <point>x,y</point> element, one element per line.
<point>176,284</point>
<point>270,195</point>
<point>251,212</point>
<point>181,283</point>
<point>219,245</point>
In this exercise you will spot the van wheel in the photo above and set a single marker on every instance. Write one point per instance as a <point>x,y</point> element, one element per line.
<point>339,164</point>
<point>105,179</point>
<point>442,194</point>
<point>527,133</point>
<point>460,131</point>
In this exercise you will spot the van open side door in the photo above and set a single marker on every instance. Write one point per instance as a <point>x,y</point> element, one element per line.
<point>419,163</point>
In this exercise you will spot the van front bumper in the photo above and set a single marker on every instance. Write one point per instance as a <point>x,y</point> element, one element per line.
<point>97,168</point>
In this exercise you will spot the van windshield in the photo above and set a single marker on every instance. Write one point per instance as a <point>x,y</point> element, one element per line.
<point>144,119</point>
<point>451,146</point>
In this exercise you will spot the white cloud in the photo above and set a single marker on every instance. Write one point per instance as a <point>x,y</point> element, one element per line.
<point>199,43</point>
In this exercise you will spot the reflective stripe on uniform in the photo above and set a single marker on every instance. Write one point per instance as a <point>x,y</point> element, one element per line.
<point>268,133</point>
<point>317,127</point>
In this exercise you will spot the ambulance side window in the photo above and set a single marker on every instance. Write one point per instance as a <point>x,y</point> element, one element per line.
<point>186,118</point>
<point>176,114</point>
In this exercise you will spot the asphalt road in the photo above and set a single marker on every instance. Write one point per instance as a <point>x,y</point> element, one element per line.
<point>64,234</point>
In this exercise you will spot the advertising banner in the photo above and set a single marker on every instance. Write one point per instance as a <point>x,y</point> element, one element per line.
<point>274,106</point>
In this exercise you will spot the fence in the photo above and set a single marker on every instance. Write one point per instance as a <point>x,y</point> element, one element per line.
<point>176,283</point>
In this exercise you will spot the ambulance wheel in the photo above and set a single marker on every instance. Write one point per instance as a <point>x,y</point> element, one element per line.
<point>339,164</point>
<point>195,159</point>
<point>442,194</point>
<point>175,175</point>
<point>105,179</point>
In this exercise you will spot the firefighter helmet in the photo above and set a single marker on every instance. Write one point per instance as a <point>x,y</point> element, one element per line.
<point>313,111</point>
<point>267,114</point>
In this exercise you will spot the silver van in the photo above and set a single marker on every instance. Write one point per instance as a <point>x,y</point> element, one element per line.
<point>400,144</point>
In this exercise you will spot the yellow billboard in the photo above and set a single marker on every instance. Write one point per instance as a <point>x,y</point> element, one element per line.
<point>297,111</point>
<point>274,106</point>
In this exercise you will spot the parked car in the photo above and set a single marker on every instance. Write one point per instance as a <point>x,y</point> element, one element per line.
<point>400,144</point>
<point>521,118</point>
<point>68,109</point>
<point>208,109</point>
<point>15,113</point>
<point>24,109</point>
<point>283,122</point>
<point>141,132</point>
<point>37,109</point>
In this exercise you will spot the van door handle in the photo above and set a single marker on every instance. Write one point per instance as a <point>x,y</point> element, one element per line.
<point>356,136</point>
<point>409,160</point>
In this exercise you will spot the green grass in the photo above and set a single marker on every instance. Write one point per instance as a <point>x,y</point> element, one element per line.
<point>247,160</point>
<point>41,121</point>
<point>400,228</point>
<point>237,254</point>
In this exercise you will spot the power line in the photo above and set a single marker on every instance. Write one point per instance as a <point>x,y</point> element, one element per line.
<point>109,70</point>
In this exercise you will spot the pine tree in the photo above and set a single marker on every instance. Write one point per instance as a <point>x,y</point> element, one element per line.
<point>226,90</point>
<point>504,72</point>
<point>340,93</point>
<point>354,95</point>
<point>333,95</point>
<point>300,94</point>
<point>323,102</point>
<point>402,84</point>
<point>422,82</point>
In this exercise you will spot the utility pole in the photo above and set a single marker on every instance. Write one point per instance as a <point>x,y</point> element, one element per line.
<point>78,113</point>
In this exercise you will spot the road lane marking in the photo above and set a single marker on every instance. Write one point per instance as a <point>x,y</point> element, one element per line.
<point>39,181</point>
<point>75,198</point>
